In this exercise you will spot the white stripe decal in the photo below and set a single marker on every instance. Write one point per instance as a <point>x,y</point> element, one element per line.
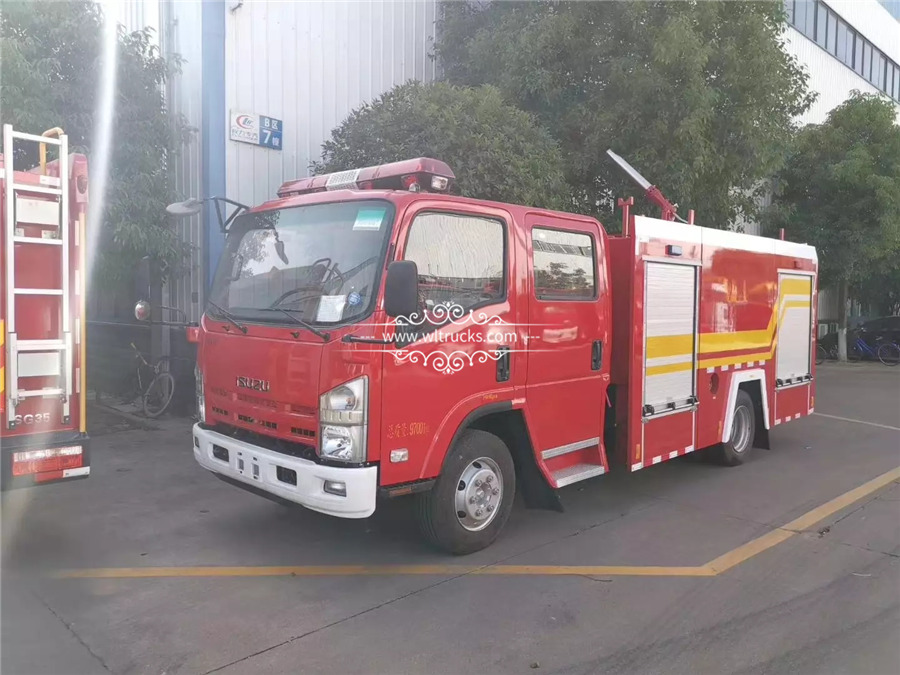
<point>777,422</point>
<point>797,416</point>
<point>636,467</point>
<point>657,460</point>
<point>673,454</point>
<point>689,448</point>
<point>725,367</point>
<point>80,471</point>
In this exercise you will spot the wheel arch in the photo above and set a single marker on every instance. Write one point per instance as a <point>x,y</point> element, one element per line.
<point>754,383</point>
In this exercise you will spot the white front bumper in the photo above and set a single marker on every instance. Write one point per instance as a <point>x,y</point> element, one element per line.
<point>260,471</point>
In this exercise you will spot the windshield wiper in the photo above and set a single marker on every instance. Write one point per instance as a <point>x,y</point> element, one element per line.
<point>300,322</point>
<point>228,316</point>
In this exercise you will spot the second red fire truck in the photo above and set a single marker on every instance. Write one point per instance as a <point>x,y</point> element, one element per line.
<point>369,335</point>
<point>43,432</point>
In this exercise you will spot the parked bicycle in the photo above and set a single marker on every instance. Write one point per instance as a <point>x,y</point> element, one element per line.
<point>885,351</point>
<point>160,385</point>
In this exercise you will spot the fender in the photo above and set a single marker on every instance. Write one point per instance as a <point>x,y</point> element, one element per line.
<point>437,454</point>
<point>738,377</point>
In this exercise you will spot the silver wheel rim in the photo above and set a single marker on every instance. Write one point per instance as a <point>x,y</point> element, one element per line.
<point>740,429</point>
<point>479,492</point>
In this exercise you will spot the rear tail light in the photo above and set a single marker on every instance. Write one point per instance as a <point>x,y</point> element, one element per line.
<point>53,459</point>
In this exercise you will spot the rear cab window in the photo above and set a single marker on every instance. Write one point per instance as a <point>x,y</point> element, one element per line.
<point>564,264</point>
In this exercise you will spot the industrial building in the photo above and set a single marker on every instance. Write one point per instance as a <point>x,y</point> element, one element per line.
<point>304,66</point>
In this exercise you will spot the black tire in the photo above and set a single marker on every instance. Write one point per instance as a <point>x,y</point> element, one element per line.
<point>821,355</point>
<point>158,395</point>
<point>889,354</point>
<point>437,514</point>
<point>743,430</point>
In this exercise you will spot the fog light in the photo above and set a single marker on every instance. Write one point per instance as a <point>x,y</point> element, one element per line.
<point>336,487</point>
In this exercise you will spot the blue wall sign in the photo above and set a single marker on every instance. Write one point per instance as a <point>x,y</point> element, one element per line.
<point>256,130</point>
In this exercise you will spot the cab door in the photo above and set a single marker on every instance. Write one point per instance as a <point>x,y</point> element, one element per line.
<point>568,346</point>
<point>460,357</point>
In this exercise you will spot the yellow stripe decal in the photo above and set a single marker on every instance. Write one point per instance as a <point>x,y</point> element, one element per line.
<point>669,345</point>
<point>82,358</point>
<point>766,339</point>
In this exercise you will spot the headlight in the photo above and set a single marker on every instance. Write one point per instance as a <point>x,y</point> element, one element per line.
<point>343,417</point>
<point>198,387</point>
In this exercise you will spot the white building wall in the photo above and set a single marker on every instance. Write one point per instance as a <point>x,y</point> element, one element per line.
<point>309,64</point>
<point>831,79</point>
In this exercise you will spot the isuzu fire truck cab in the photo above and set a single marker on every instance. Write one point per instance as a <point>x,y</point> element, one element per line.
<point>370,335</point>
<point>43,431</point>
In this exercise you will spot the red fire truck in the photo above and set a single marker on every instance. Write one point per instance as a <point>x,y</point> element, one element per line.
<point>370,335</point>
<point>42,313</point>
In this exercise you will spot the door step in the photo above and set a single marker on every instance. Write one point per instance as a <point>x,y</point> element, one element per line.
<point>578,472</point>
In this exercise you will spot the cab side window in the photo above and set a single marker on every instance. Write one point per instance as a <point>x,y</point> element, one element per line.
<point>460,259</point>
<point>564,265</point>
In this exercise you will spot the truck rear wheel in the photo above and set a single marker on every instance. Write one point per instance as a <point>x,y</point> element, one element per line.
<point>743,430</point>
<point>472,499</point>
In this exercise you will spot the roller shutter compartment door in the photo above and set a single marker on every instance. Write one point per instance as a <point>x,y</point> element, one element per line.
<point>669,335</point>
<point>794,336</point>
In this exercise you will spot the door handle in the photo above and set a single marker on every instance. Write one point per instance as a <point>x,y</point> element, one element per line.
<point>503,364</point>
<point>597,355</point>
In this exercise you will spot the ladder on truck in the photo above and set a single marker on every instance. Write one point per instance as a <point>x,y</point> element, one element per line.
<point>45,203</point>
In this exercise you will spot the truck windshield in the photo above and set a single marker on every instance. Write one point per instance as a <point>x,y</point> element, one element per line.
<point>319,263</point>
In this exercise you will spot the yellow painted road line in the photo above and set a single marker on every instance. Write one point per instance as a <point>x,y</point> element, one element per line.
<point>713,568</point>
<point>850,419</point>
<point>798,525</point>
<point>382,570</point>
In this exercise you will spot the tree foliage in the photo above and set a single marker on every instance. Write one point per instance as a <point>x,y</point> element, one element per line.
<point>51,66</point>
<point>840,191</point>
<point>698,95</point>
<point>496,151</point>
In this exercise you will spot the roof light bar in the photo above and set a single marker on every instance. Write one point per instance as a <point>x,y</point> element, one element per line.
<point>430,175</point>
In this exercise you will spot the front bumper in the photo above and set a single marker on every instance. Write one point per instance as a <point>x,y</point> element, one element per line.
<point>260,471</point>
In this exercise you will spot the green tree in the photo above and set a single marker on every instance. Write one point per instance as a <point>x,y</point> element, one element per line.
<point>51,64</point>
<point>699,96</point>
<point>496,151</point>
<point>840,191</point>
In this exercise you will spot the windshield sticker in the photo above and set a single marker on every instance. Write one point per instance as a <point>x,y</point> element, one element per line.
<point>369,219</point>
<point>354,299</point>
<point>331,308</point>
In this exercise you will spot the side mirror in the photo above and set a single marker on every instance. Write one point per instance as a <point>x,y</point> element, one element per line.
<point>401,289</point>
<point>142,310</point>
<point>184,209</point>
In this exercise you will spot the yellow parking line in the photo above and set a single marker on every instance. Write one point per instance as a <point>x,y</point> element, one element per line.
<point>712,568</point>
<point>798,525</point>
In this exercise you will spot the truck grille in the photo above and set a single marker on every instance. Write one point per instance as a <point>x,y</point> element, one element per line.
<point>301,450</point>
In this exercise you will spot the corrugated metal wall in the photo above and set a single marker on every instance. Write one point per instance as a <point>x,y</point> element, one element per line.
<point>309,64</point>
<point>180,35</point>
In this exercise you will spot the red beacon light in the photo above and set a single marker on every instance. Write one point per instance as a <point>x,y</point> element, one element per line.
<point>415,175</point>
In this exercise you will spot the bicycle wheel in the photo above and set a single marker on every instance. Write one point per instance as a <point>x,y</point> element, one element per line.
<point>821,355</point>
<point>159,395</point>
<point>854,353</point>
<point>889,354</point>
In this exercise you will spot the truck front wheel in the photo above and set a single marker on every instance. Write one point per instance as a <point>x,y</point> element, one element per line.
<point>472,498</point>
